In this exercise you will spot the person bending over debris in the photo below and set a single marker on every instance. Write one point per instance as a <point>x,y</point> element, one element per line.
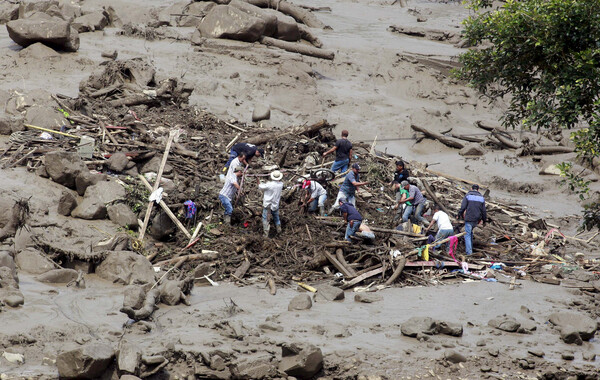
<point>272,190</point>
<point>229,190</point>
<point>343,153</point>
<point>349,187</point>
<point>472,210</point>
<point>444,225</point>
<point>418,203</point>
<point>317,196</point>
<point>401,195</point>
<point>247,150</point>
<point>238,161</point>
<point>351,216</point>
<point>401,174</point>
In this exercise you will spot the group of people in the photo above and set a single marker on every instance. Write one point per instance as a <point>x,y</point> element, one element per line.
<point>409,200</point>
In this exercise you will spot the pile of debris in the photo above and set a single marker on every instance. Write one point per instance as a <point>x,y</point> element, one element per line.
<point>129,118</point>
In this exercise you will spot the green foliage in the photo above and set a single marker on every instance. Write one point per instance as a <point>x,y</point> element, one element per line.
<point>136,194</point>
<point>573,181</point>
<point>544,57</point>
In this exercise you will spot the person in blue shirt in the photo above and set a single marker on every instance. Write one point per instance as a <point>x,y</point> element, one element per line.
<point>351,216</point>
<point>349,187</point>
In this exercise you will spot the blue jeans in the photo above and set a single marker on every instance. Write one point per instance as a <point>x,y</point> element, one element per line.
<point>312,207</point>
<point>418,213</point>
<point>232,155</point>
<point>275,214</point>
<point>343,165</point>
<point>227,204</point>
<point>469,236</point>
<point>442,234</point>
<point>351,231</point>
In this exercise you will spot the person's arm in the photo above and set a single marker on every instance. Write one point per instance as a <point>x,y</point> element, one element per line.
<point>350,155</point>
<point>357,184</point>
<point>330,151</point>
<point>483,214</point>
<point>345,217</point>
<point>463,208</point>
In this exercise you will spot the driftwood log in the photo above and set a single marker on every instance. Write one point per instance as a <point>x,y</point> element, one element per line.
<point>298,13</point>
<point>296,47</point>
<point>446,140</point>
<point>306,34</point>
<point>146,310</point>
<point>301,130</point>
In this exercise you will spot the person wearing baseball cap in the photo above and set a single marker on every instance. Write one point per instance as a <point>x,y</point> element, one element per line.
<point>349,187</point>
<point>272,195</point>
<point>351,216</point>
<point>229,191</point>
<point>472,210</point>
<point>316,195</point>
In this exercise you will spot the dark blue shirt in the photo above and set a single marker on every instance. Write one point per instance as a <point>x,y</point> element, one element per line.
<point>248,149</point>
<point>343,149</point>
<point>351,211</point>
<point>347,187</point>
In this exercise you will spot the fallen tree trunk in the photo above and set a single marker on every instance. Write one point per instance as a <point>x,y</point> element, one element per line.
<point>433,197</point>
<point>505,140</point>
<point>299,14</point>
<point>397,272</point>
<point>204,255</point>
<point>552,149</point>
<point>295,47</point>
<point>307,35</point>
<point>146,310</point>
<point>241,270</point>
<point>301,130</point>
<point>133,100</point>
<point>448,141</point>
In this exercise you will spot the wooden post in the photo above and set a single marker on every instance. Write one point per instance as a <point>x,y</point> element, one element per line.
<point>157,184</point>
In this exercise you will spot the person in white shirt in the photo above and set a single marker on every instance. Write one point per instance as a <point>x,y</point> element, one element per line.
<point>229,191</point>
<point>317,196</point>
<point>272,190</point>
<point>443,223</point>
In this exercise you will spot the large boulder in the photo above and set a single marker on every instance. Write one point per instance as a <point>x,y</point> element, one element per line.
<point>90,22</point>
<point>45,116</point>
<point>58,276</point>
<point>162,226</point>
<point>93,205</point>
<point>420,325</point>
<point>64,167</point>
<point>122,215</point>
<point>329,293</point>
<point>269,18</point>
<point>505,323</point>
<point>300,302</point>
<point>57,34</point>
<point>129,357</point>
<point>584,325</point>
<point>31,260</point>
<point>287,27</point>
<point>302,361</point>
<point>41,52</point>
<point>9,288</point>
<point>10,124</point>
<point>153,164</point>
<point>86,179</point>
<point>127,268</point>
<point>472,150</point>
<point>85,362</point>
<point>6,260</point>
<point>8,11</point>
<point>66,203</point>
<point>224,21</point>
<point>195,12</point>
<point>117,162</point>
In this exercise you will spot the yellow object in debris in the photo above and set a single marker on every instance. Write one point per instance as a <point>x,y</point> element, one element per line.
<point>426,253</point>
<point>52,131</point>
<point>307,287</point>
<point>416,229</point>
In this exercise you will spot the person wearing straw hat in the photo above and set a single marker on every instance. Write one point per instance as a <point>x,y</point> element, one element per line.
<point>272,195</point>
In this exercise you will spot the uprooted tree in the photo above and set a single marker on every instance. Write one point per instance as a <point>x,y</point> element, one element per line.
<point>544,55</point>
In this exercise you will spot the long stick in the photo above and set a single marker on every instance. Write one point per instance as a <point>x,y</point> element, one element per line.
<point>168,211</point>
<point>156,184</point>
<point>51,131</point>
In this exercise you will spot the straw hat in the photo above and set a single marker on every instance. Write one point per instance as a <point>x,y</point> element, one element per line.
<point>276,175</point>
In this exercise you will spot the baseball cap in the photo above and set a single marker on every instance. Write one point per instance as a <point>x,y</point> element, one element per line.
<point>356,166</point>
<point>238,169</point>
<point>342,199</point>
<point>403,183</point>
<point>306,184</point>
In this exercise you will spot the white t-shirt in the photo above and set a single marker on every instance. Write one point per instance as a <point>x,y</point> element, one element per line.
<point>443,221</point>
<point>272,195</point>
<point>316,190</point>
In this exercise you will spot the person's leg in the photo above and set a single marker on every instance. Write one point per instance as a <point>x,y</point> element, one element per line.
<point>468,238</point>
<point>276,220</point>
<point>321,203</point>
<point>226,204</point>
<point>442,234</point>
<point>419,214</point>
<point>348,232</point>
<point>336,204</point>
<point>353,229</point>
<point>265,221</point>
<point>337,165</point>
<point>312,206</point>
<point>345,165</point>
<point>352,200</point>
<point>407,211</point>
<point>232,155</point>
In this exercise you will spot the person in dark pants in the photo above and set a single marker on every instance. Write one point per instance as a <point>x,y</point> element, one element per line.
<point>472,210</point>
<point>351,216</point>
<point>418,203</point>
<point>343,153</point>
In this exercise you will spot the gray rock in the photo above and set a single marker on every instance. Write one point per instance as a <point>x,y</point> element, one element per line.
<point>31,260</point>
<point>420,325</point>
<point>505,323</point>
<point>110,54</point>
<point>117,162</point>
<point>9,288</point>
<point>568,355</point>
<point>287,27</point>
<point>8,12</point>
<point>162,226</point>
<point>585,326</point>
<point>254,368</point>
<point>269,18</point>
<point>85,362</point>
<point>269,326</point>
<point>527,326</point>
<point>300,361</point>
<point>58,276</point>
<point>54,33</point>
<point>127,268</point>
<point>93,205</point>
<point>134,297</point>
<point>588,356</point>
<point>64,167</point>
<point>224,21</point>
<point>153,165</point>
<point>66,203</point>
<point>261,112</point>
<point>44,116</point>
<point>196,12</point>
<point>86,179</point>
<point>122,215</point>
<point>300,302</point>
<point>454,357</point>
<point>10,124</point>
<point>368,297</point>
<point>583,275</point>
<point>570,335</point>
<point>452,329</point>
<point>536,352</point>
<point>6,260</point>
<point>90,22</point>
<point>129,377</point>
<point>328,293</point>
<point>473,149</point>
<point>129,357</point>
